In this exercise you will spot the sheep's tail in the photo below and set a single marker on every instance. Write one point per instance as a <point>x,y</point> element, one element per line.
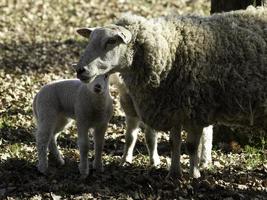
<point>35,115</point>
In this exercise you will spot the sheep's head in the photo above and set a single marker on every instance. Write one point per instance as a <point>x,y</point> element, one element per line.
<point>104,53</point>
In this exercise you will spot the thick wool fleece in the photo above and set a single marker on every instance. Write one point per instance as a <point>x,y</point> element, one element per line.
<point>199,69</point>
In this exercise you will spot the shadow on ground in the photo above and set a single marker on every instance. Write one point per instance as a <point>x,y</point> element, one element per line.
<point>20,179</point>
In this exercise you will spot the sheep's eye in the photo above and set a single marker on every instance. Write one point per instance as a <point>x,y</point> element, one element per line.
<point>110,43</point>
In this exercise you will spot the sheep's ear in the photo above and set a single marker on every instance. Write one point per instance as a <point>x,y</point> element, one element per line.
<point>85,32</point>
<point>124,34</point>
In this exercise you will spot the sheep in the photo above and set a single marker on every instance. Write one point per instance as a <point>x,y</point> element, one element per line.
<point>132,124</point>
<point>186,71</point>
<point>58,102</point>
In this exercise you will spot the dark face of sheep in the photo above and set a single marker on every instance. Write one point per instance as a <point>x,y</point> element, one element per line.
<point>104,53</point>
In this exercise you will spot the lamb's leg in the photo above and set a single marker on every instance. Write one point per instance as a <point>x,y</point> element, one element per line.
<point>175,143</point>
<point>151,143</point>
<point>43,136</point>
<point>99,134</point>
<point>205,146</point>
<point>193,138</point>
<point>55,152</point>
<point>61,123</point>
<point>132,124</point>
<point>83,143</point>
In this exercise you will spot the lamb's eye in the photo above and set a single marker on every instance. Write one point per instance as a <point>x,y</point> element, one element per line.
<point>110,43</point>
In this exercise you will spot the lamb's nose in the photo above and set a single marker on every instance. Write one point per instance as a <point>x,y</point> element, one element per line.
<point>97,88</point>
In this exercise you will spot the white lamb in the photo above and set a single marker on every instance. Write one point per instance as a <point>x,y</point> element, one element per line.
<point>58,102</point>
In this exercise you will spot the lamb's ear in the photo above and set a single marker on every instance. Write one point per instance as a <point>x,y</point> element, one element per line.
<point>85,32</point>
<point>124,34</point>
<point>74,65</point>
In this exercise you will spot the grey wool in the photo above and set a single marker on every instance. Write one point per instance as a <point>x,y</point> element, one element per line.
<point>187,71</point>
<point>206,69</point>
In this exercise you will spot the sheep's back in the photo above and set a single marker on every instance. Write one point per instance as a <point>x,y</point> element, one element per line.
<point>212,69</point>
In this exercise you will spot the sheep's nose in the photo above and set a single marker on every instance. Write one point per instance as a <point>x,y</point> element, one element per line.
<point>80,70</point>
<point>81,75</point>
<point>97,88</point>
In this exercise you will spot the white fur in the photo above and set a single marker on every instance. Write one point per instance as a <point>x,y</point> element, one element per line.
<point>205,147</point>
<point>57,102</point>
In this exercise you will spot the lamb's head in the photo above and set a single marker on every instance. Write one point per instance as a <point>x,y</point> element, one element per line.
<point>100,85</point>
<point>105,52</point>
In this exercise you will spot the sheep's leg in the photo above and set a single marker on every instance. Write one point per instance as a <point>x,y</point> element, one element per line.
<point>151,143</point>
<point>205,146</point>
<point>83,143</point>
<point>99,134</point>
<point>61,123</point>
<point>132,129</point>
<point>193,138</point>
<point>175,143</point>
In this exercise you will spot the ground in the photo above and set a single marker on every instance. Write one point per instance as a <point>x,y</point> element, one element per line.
<point>38,44</point>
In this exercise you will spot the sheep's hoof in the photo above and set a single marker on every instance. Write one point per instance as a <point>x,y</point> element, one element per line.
<point>155,162</point>
<point>125,164</point>
<point>58,160</point>
<point>84,171</point>
<point>42,169</point>
<point>174,175</point>
<point>195,173</point>
<point>83,176</point>
<point>205,164</point>
<point>98,167</point>
<point>126,160</point>
<point>61,162</point>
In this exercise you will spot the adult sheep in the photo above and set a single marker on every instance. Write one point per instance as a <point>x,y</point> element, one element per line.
<point>187,71</point>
